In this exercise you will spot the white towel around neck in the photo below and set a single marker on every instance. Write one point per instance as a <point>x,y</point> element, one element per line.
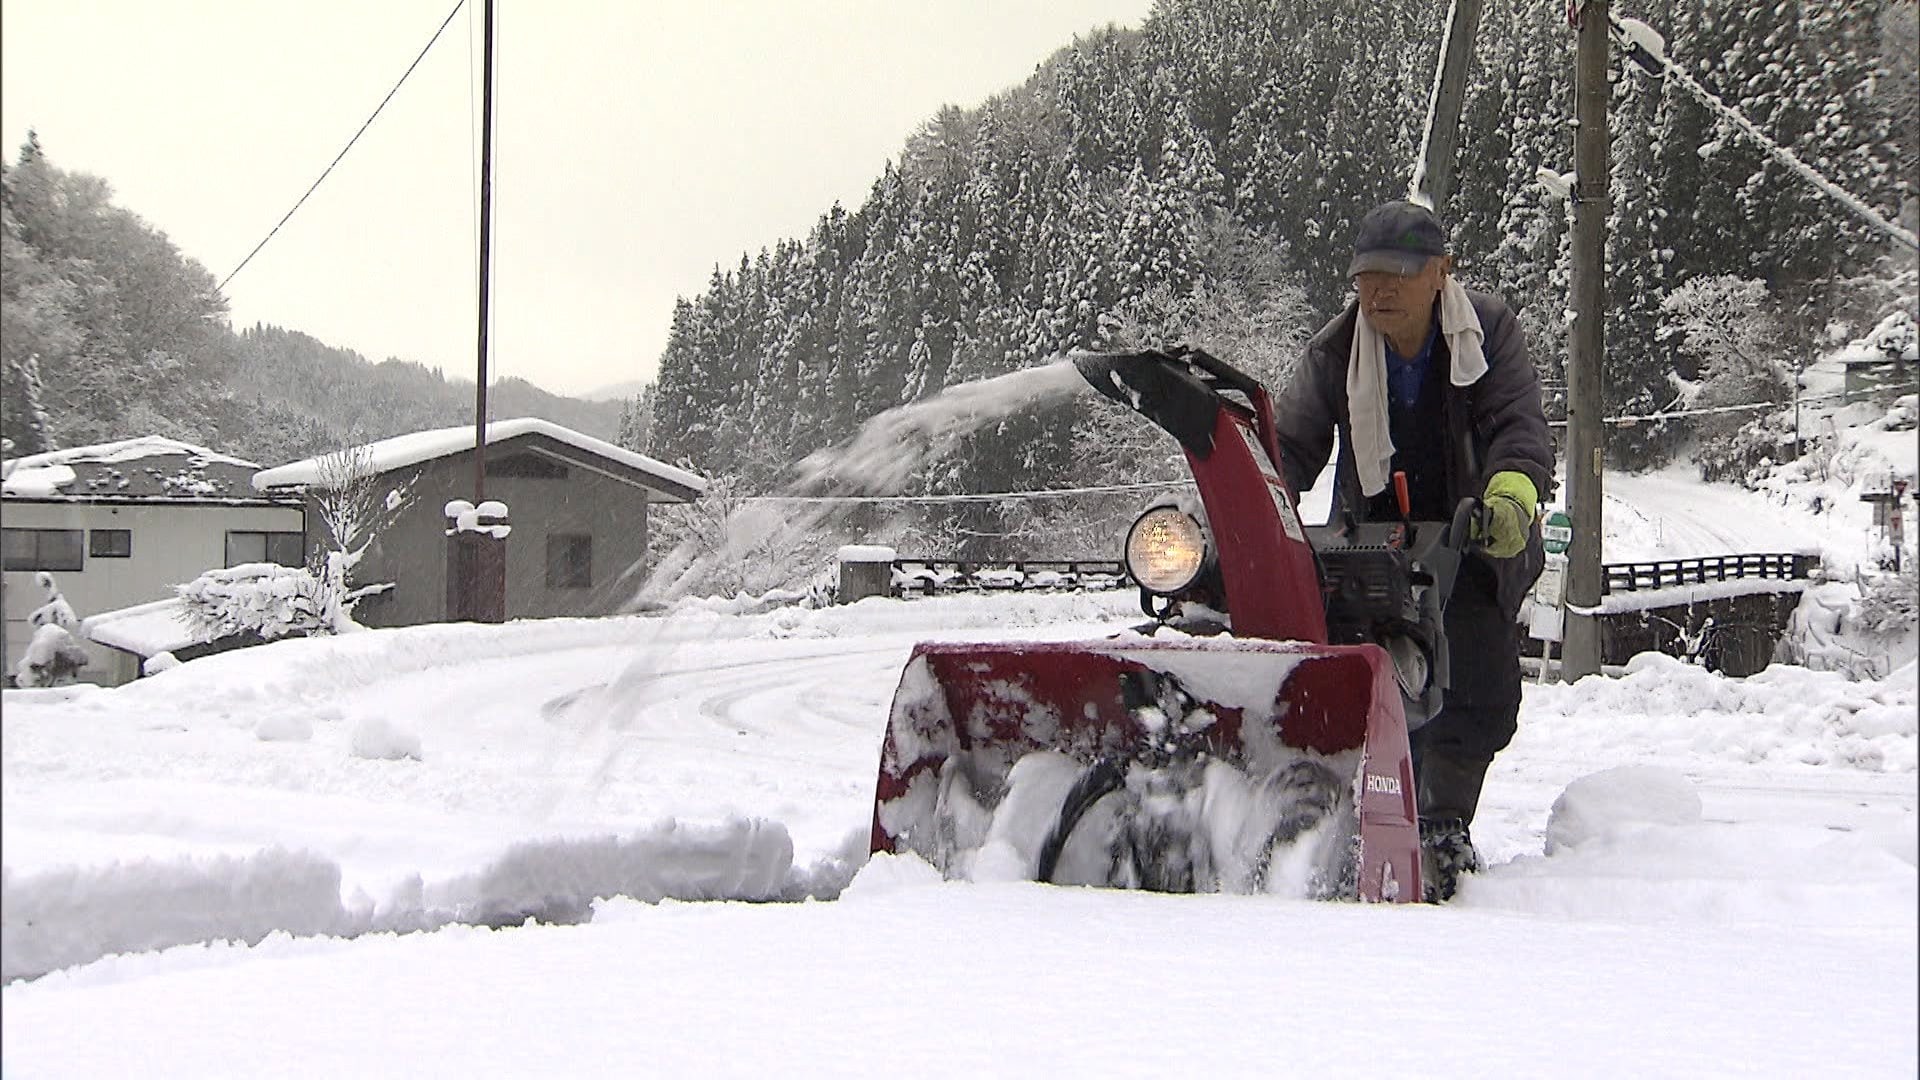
<point>1367,381</point>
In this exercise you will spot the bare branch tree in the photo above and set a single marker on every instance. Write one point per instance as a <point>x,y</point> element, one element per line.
<point>355,504</point>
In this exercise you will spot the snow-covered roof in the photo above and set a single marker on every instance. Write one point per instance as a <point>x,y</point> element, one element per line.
<point>144,629</point>
<point>403,450</point>
<point>1894,339</point>
<point>125,450</point>
<point>128,468</point>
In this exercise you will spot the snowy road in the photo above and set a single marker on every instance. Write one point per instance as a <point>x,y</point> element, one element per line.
<point>1670,514</point>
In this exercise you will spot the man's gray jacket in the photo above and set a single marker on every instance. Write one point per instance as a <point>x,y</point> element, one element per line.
<point>1504,425</point>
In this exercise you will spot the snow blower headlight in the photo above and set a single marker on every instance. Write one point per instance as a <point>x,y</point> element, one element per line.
<point>1166,550</point>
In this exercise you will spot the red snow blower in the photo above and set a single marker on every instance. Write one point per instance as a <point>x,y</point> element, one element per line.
<point>1252,738</point>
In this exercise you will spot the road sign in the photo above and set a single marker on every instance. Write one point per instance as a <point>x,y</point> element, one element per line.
<point>1557,532</point>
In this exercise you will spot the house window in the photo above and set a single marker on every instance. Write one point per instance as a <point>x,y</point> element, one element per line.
<point>110,543</point>
<point>285,548</point>
<point>43,549</point>
<point>569,561</point>
<point>526,466</point>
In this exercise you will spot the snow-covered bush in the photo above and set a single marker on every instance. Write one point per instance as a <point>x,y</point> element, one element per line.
<point>265,599</point>
<point>55,611</point>
<point>1742,452</point>
<point>54,657</point>
<point>1863,628</point>
<point>1889,601</point>
<point>1903,414</point>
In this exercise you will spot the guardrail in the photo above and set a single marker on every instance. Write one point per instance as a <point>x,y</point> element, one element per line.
<point>920,577</point>
<point>1666,573</point>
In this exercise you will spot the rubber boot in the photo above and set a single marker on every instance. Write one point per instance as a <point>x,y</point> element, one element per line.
<point>1448,789</point>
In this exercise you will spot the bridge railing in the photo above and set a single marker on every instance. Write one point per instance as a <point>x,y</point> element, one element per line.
<point>921,577</point>
<point>1666,573</point>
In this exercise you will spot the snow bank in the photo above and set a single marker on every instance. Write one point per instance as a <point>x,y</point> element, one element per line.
<point>76,915</point>
<point>1630,843</point>
<point>1663,708</point>
<point>558,880</point>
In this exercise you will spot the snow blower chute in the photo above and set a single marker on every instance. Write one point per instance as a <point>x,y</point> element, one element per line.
<point>1253,738</point>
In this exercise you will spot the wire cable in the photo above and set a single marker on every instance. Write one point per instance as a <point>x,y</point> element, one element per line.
<point>1629,31</point>
<point>343,152</point>
<point>992,496</point>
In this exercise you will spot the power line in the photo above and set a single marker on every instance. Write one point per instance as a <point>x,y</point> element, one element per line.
<point>994,496</point>
<point>343,152</point>
<point>1646,48</point>
<point>1750,407</point>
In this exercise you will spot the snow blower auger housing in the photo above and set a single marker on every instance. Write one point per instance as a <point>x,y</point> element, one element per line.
<point>1252,739</point>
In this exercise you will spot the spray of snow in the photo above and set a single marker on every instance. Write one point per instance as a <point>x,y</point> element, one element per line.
<point>890,447</point>
<point>880,459</point>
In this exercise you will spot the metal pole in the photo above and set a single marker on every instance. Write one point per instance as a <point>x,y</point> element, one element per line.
<point>486,228</point>
<point>1586,388</point>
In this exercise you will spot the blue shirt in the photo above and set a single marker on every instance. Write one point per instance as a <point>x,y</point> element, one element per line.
<point>1405,375</point>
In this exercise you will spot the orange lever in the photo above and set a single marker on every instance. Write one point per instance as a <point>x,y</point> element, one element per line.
<point>1400,494</point>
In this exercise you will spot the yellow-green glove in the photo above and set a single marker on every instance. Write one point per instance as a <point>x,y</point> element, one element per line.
<point>1510,503</point>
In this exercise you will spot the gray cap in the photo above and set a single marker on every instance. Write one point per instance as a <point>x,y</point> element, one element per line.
<point>1397,237</point>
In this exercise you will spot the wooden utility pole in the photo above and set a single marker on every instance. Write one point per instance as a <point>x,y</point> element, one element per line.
<point>477,549</point>
<point>1586,386</point>
<point>486,233</point>
<point>1433,183</point>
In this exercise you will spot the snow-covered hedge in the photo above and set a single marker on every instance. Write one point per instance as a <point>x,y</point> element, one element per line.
<point>266,599</point>
<point>54,657</point>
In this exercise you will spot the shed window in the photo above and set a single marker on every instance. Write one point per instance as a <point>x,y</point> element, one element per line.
<point>110,543</point>
<point>43,549</point>
<point>569,561</point>
<point>285,548</point>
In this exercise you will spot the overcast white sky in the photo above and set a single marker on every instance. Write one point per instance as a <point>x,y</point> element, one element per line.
<point>636,144</point>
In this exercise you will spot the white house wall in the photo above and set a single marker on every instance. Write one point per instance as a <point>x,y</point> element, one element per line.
<point>172,545</point>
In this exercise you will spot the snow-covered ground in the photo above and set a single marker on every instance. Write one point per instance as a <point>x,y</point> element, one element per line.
<point>1731,886</point>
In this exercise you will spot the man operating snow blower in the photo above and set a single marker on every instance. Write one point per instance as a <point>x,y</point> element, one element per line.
<point>1428,379</point>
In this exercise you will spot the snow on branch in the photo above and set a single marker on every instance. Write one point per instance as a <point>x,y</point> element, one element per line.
<point>354,503</point>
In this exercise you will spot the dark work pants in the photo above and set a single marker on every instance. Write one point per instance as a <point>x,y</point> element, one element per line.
<point>1481,710</point>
